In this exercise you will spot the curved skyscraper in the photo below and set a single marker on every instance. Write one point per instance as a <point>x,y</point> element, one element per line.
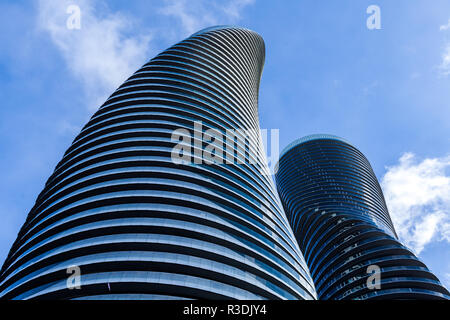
<point>337,210</point>
<point>134,223</point>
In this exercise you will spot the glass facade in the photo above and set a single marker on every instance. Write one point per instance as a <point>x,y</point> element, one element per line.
<point>140,226</point>
<point>338,214</point>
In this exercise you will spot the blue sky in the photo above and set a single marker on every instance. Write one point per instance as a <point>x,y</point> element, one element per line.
<point>386,91</point>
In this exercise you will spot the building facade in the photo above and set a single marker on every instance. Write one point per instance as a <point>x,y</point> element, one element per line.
<point>337,210</point>
<point>132,223</point>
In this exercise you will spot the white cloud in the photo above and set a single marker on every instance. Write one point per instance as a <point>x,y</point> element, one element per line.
<point>107,49</point>
<point>103,53</point>
<point>445,64</point>
<point>233,8</point>
<point>444,67</point>
<point>445,26</point>
<point>194,15</point>
<point>418,197</point>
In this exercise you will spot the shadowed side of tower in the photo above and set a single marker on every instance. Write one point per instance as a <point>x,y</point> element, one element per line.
<point>138,225</point>
<point>338,214</point>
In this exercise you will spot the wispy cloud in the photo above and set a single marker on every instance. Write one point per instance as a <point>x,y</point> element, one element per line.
<point>194,15</point>
<point>445,26</point>
<point>445,64</point>
<point>444,67</point>
<point>108,49</point>
<point>103,53</point>
<point>418,196</point>
<point>233,8</point>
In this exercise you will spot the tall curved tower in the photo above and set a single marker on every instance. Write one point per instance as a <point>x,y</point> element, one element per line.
<point>140,226</point>
<point>337,211</point>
